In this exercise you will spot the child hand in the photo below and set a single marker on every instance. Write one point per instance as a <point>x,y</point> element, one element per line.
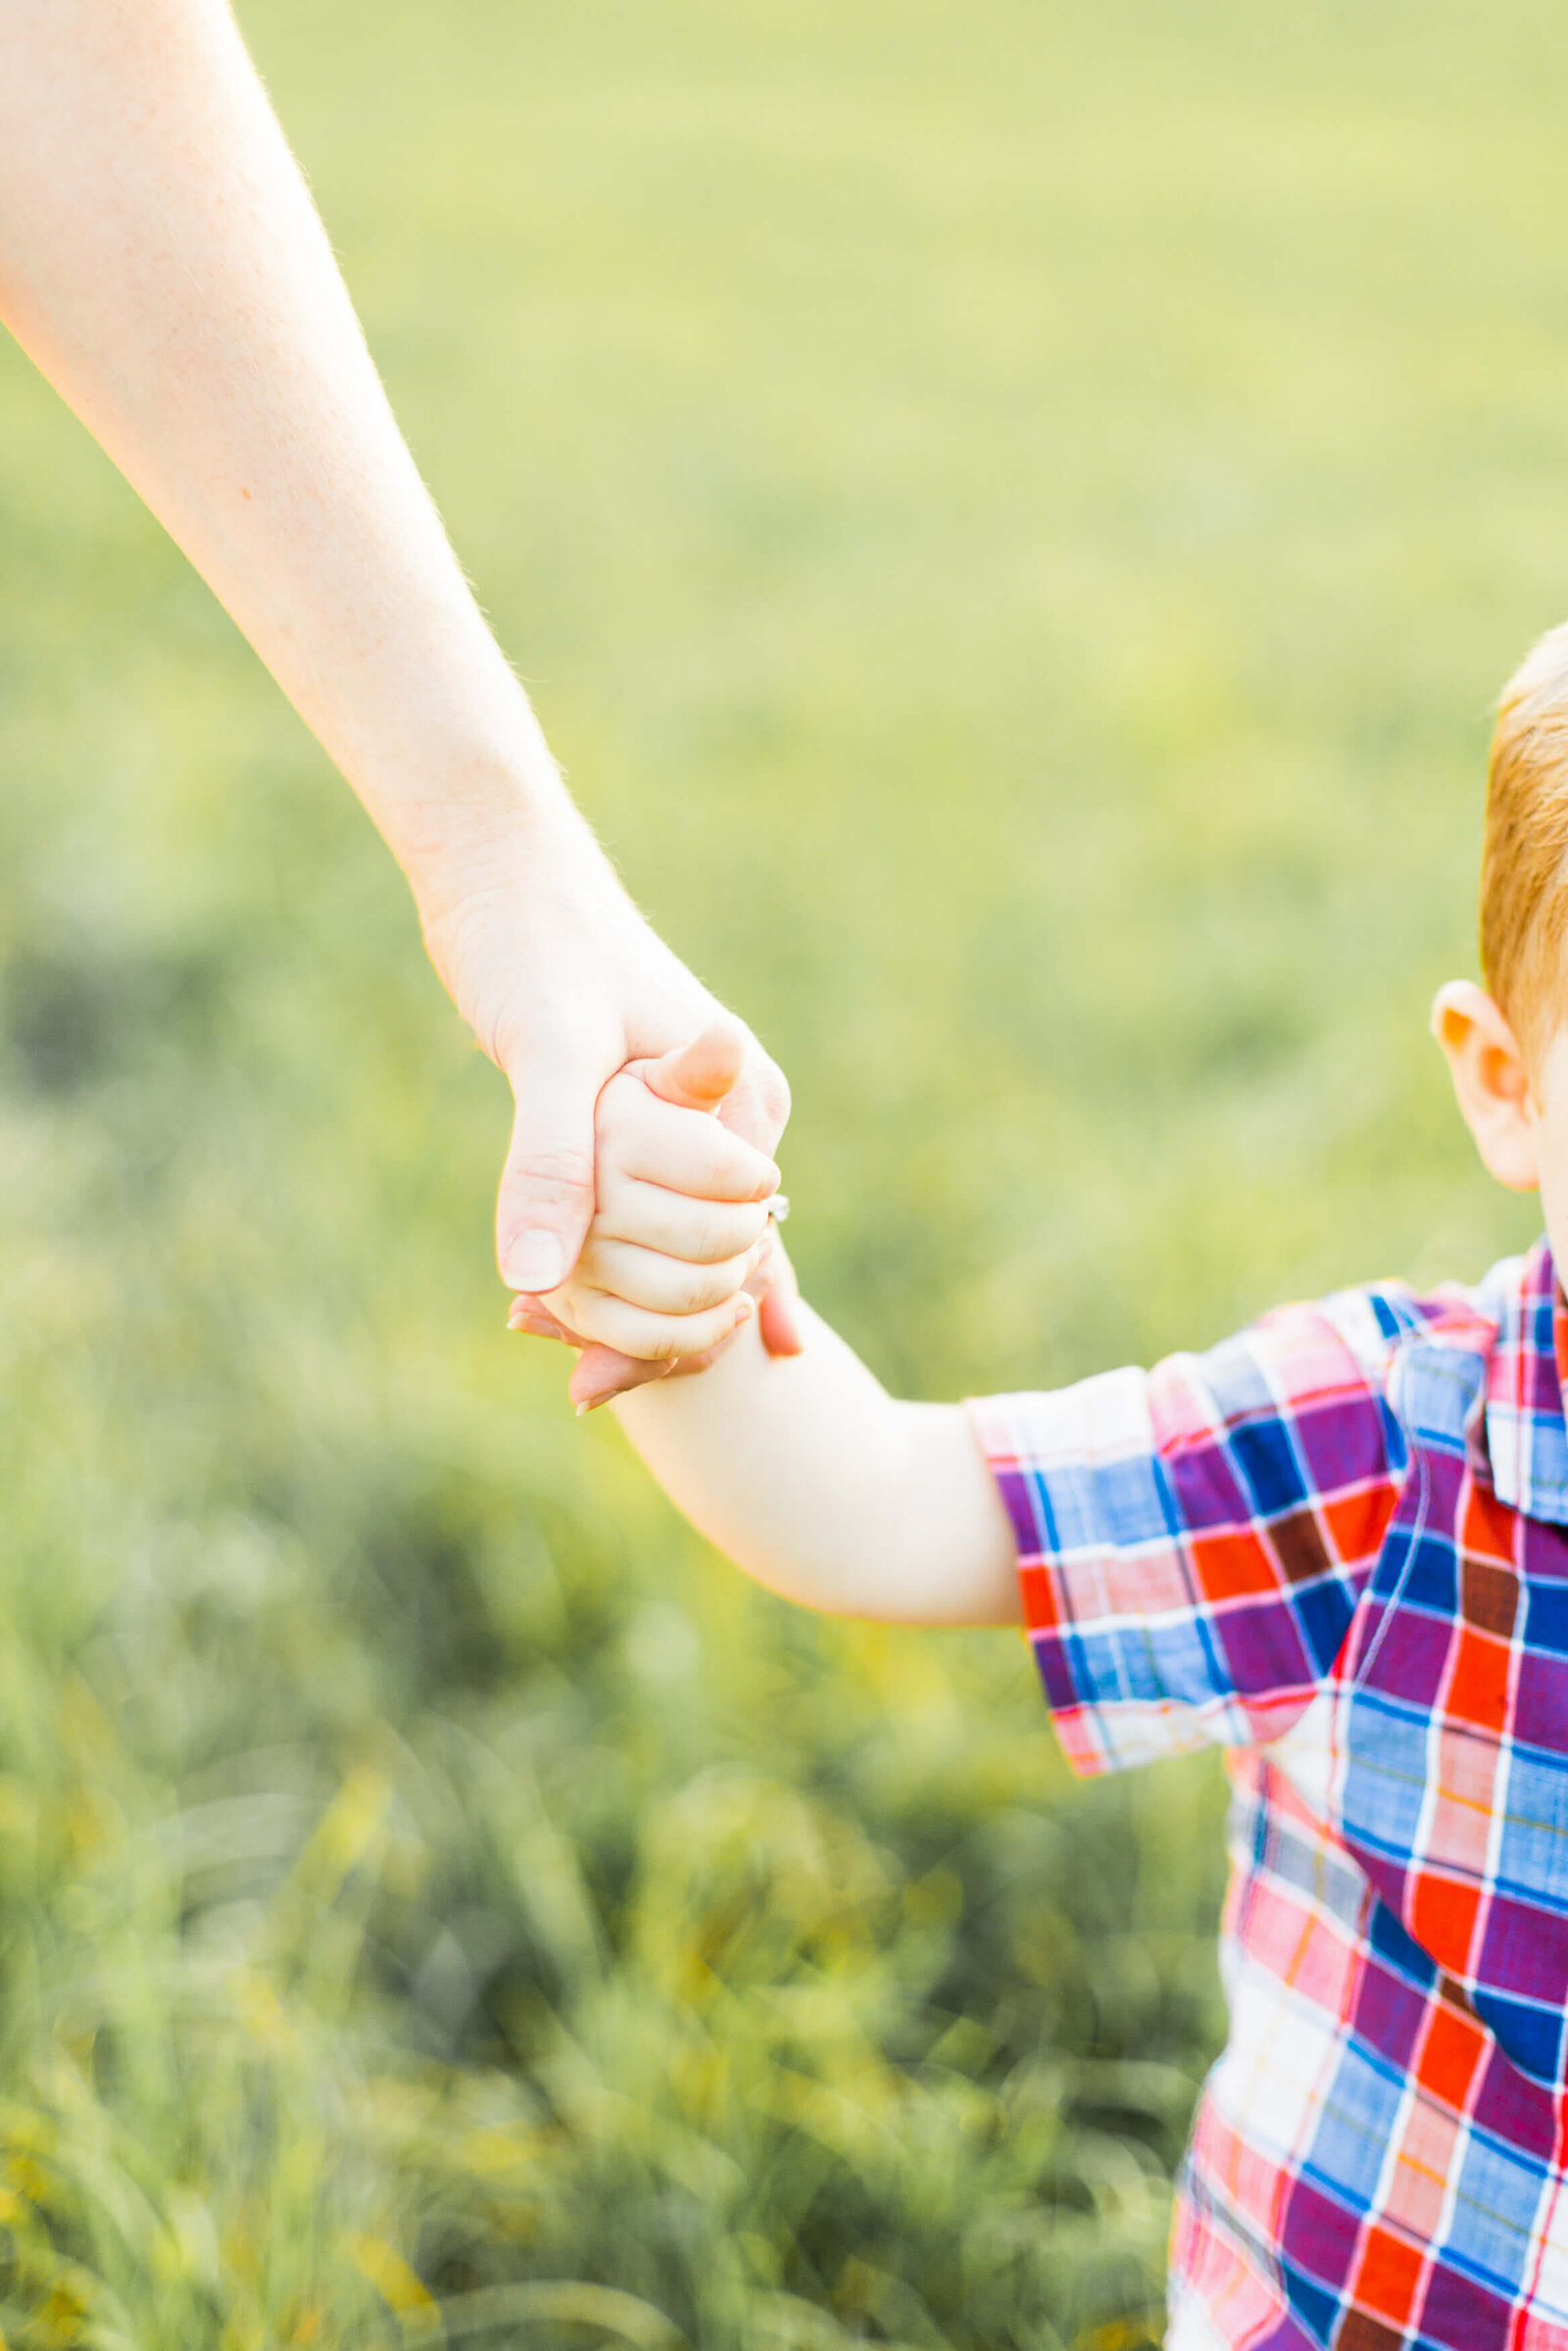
<point>680,1224</point>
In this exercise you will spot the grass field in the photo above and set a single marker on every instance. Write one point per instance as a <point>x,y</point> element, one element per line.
<point>1013,516</point>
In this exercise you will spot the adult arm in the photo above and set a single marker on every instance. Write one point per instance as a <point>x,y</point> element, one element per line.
<point>161,262</point>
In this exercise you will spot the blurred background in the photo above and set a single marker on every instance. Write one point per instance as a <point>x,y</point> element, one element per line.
<point>1013,514</point>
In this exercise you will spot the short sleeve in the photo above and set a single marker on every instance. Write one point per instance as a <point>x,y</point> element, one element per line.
<point>1192,1540</point>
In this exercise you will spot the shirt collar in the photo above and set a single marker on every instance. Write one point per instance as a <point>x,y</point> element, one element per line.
<point>1527,1434</point>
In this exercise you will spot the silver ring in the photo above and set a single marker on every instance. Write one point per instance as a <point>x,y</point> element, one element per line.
<point>778,1207</point>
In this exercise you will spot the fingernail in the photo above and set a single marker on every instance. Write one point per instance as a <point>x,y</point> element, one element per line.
<point>535,1261</point>
<point>582,1408</point>
<point>746,1308</point>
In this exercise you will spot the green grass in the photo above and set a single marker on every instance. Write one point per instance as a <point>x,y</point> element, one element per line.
<point>1014,516</point>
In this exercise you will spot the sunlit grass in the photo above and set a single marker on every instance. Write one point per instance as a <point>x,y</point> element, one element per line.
<point>1014,519</point>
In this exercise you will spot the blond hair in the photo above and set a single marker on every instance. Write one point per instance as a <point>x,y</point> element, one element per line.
<point>1524,857</point>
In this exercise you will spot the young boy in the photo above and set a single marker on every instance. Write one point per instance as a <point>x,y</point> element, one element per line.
<point>1336,1544</point>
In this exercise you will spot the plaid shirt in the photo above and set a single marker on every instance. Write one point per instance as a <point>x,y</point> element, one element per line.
<point>1338,1545</point>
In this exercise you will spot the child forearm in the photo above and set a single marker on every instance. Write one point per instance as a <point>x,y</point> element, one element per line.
<point>804,1472</point>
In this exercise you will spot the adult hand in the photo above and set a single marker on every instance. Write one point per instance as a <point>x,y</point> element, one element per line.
<point>700,1076</point>
<point>565,983</point>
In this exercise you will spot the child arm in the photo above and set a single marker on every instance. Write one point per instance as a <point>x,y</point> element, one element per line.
<point>800,1466</point>
<point>809,1475</point>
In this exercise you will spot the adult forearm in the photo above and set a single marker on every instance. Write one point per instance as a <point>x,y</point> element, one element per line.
<point>806,1473</point>
<point>161,259</point>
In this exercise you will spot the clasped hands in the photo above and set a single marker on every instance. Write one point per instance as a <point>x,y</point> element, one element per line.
<point>681,1251</point>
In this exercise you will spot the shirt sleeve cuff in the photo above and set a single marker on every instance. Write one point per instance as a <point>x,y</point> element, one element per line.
<point>1106,1604</point>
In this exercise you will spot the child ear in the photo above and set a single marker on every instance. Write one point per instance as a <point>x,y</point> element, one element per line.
<point>1490,1080</point>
